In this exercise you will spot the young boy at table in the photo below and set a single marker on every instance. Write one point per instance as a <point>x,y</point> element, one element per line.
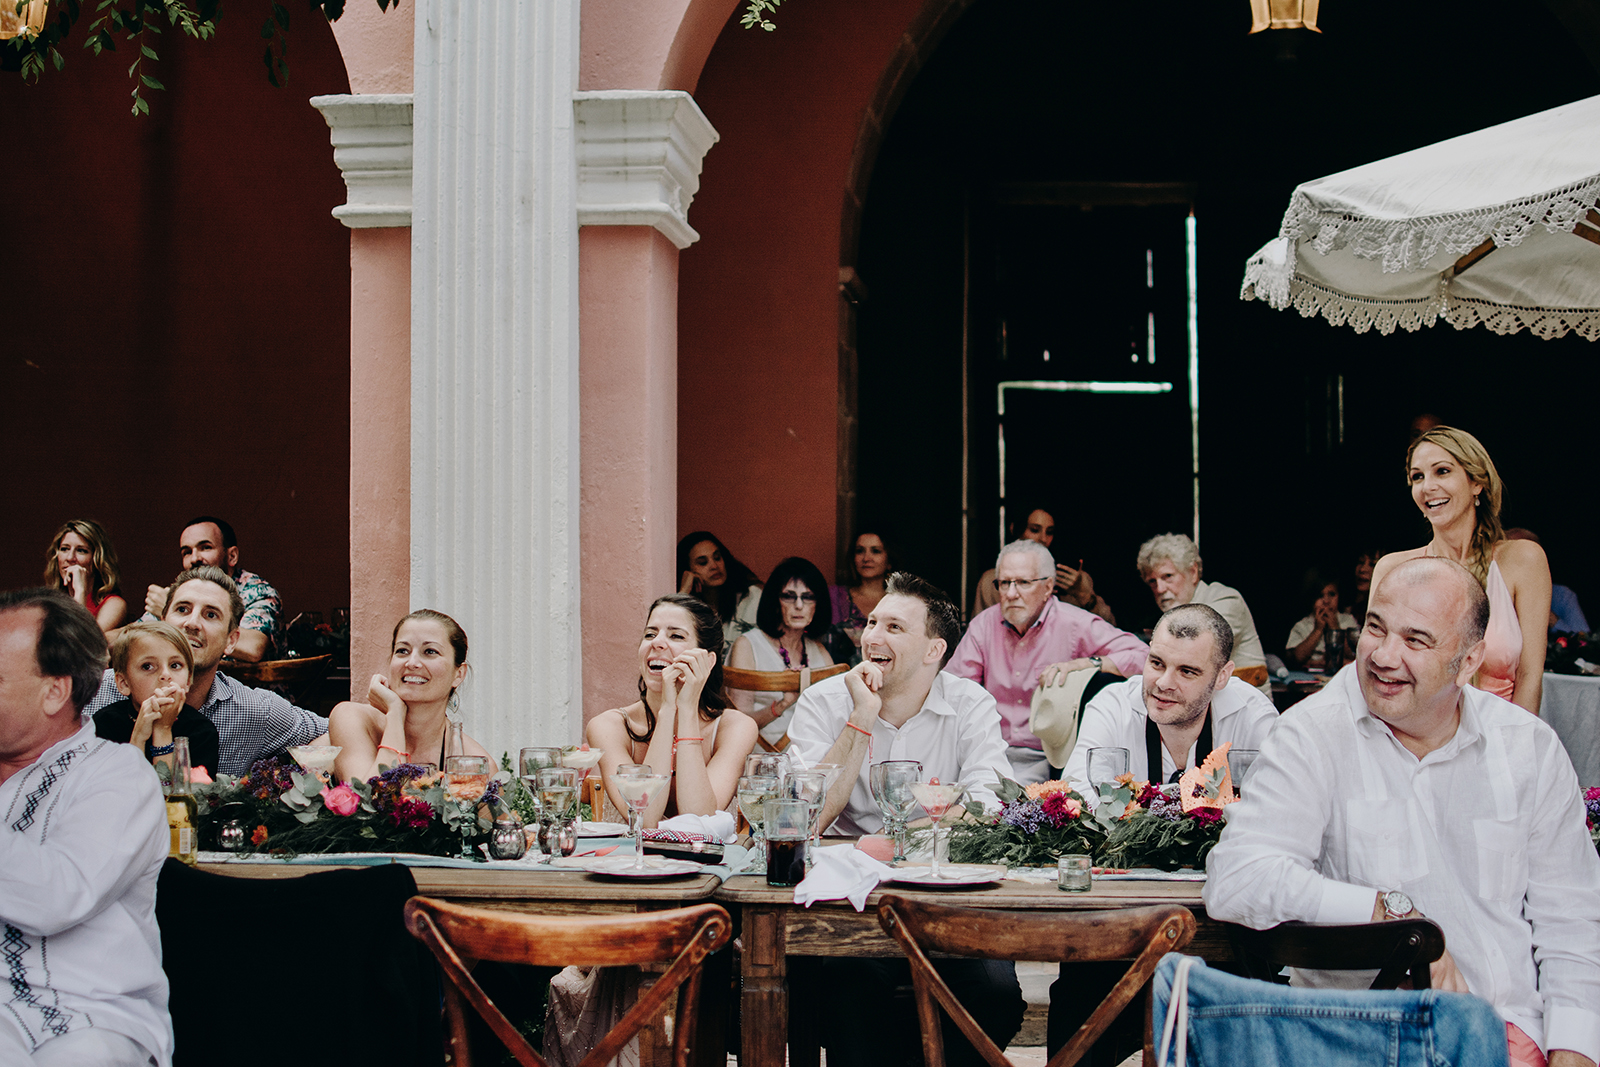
<point>152,666</point>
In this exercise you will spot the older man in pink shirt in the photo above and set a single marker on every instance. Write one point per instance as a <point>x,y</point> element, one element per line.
<point>1030,636</point>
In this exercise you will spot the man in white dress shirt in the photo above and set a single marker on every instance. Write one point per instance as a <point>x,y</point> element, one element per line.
<point>898,703</point>
<point>83,837</point>
<point>1400,790</point>
<point>1187,697</point>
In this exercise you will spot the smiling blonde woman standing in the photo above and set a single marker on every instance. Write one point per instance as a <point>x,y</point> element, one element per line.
<point>1456,487</point>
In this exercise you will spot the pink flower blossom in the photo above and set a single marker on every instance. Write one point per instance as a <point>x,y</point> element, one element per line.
<point>340,799</point>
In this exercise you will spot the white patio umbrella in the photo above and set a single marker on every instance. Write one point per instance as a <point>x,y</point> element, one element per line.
<point>1495,227</point>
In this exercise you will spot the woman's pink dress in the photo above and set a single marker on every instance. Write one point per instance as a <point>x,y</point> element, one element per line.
<point>1503,640</point>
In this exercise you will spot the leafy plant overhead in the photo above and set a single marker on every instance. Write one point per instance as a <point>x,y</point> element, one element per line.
<point>139,23</point>
<point>755,14</point>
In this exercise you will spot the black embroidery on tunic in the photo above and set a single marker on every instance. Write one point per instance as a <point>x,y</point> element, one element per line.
<point>47,781</point>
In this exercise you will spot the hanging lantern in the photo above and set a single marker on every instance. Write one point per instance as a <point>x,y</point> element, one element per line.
<point>21,20</point>
<point>1283,15</point>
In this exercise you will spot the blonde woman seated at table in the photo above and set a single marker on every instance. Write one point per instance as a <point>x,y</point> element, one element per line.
<point>82,563</point>
<point>406,717</point>
<point>790,623</point>
<point>677,725</point>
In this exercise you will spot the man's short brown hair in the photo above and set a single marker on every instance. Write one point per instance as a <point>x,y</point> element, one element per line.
<point>216,576</point>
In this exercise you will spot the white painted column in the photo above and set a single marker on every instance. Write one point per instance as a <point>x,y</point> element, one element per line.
<point>494,351</point>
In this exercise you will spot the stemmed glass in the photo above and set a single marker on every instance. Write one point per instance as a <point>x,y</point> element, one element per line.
<point>936,798</point>
<point>754,792</point>
<point>558,802</point>
<point>638,790</point>
<point>811,787</point>
<point>767,765</point>
<point>891,788</point>
<point>630,770</point>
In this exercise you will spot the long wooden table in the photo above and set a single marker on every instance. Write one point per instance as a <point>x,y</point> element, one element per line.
<point>775,928</point>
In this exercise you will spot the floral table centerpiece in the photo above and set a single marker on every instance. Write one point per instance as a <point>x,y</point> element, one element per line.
<point>1591,813</point>
<point>286,811</point>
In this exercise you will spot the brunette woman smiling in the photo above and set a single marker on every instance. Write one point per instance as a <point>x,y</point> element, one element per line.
<point>677,726</point>
<point>1456,487</point>
<point>405,717</point>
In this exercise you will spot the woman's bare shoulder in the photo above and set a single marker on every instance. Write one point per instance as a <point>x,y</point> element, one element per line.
<point>351,715</point>
<point>736,730</point>
<point>1521,558</point>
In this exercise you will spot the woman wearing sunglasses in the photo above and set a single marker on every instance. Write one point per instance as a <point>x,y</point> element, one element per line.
<point>793,616</point>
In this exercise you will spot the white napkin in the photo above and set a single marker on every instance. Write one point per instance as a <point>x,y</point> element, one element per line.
<point>842,872</point>
<point>719,826</point>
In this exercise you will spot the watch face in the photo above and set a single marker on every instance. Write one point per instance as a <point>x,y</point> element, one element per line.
<point>1396,903</point>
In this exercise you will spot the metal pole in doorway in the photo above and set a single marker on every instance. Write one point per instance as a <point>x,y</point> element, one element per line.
<point>1194,366</point>
<point>966,389</point>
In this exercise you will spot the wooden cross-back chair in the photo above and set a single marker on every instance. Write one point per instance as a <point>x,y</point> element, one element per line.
<point>1143,935</point>
<point>461,936</point>
<point>778,682</point>
<point>1395,949</point>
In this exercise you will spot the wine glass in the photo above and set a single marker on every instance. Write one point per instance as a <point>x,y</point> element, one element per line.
<point>754,792</point>
<point>891,788</point>
<point>767,765</point>
<point>558,806</point>
<point>811,787</point>
<point>639,790</point>
<point>936,798</point>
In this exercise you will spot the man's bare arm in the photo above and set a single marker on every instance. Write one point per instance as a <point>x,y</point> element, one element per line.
<point>855,740</point>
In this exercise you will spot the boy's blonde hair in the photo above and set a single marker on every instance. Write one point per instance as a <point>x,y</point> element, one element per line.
<point>166,631</point>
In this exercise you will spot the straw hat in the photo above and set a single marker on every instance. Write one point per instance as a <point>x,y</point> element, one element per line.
<point>1055,711</point>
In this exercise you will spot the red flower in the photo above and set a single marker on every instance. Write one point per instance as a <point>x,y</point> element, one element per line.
<point>1060,808</point>
<point>1206,817</point>
<point>258,836</point>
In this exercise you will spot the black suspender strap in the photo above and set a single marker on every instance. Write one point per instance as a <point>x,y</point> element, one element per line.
<point>1152,747</point>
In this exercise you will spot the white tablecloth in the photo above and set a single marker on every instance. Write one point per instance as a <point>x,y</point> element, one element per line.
<point>1571,705</point>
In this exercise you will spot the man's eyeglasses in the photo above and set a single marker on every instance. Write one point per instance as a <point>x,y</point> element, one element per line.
<point>798,598</point>
<point>1022,584</point>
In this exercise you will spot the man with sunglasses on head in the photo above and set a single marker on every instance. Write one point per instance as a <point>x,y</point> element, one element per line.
<point>1031,639</point>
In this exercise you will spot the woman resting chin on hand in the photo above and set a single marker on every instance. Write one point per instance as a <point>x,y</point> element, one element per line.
<point>676,726</point>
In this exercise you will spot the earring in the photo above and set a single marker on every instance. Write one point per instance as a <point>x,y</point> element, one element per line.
<point>452,708</point>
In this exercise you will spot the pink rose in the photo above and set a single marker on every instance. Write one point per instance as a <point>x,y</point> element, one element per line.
<point>1074,807</point>
<point>341,799</point>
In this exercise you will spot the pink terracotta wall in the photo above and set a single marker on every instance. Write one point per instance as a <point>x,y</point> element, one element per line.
<point>376,46</point>
<point>178,305</point>
<point>380,444</point>
<point>758,311</point>
<point>659,45</point>
<point>628,301</point>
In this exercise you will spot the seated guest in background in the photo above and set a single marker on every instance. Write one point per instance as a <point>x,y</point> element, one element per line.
<point>1075,587</point>
<point>898,704</point>
<point>1170,566</point>
<point>1031,638</point>
<point>208,541</point>
<point>870,565</point>
<point>406,716</point>
<point>82,562</point>
<point>1366,560</point>
<point>151,665</point>
<point>1401,790</point>
<point>677,726</point>
<point>708,571</point>
<point>790,623</point>
<point>1306,637</point>
<point>1566,616</point>
<point>84,837</point>
<point>204,605</point>
<point>1171,718</point>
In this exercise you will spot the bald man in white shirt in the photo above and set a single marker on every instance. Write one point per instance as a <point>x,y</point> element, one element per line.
<point>1401,790</point>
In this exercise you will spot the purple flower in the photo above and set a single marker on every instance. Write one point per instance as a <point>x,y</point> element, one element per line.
<point>1025,815</point>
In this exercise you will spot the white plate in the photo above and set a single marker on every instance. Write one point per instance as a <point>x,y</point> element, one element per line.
<point>654,867</point>
<point>950,874</point>
<point>602,829</point>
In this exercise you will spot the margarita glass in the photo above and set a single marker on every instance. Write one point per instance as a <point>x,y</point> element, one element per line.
<point>936,799</point>
<point>316,759</point>
<point>639,790</point>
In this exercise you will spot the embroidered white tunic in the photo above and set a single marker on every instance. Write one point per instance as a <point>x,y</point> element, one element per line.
<point>83,837</point>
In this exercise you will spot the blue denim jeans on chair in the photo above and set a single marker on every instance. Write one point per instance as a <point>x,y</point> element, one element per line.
<point>1242,1021</point>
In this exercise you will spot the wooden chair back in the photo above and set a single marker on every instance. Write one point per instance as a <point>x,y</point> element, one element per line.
<point>778,682</point>
<point>292,679</point>
<point>460,936</point>
<point>1143,935</point>
<point>1396,948</point>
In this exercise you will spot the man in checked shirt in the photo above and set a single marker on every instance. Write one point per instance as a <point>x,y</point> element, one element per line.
<point>204,604</point>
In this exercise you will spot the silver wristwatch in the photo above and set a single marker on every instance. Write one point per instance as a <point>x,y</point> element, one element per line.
<point>1396,905</point>
<point>1097,661</point>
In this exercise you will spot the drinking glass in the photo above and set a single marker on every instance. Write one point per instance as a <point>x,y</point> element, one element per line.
<point>558,810</point>
<point>1239,763</point>
<point>937,798</point>
<point>1106,765</point>
<point>767,765</point>
<point>754,792</point>
<point>639,790</point>
<point>788,824</point>
<point>811,787</point>
<point>891,788</point>
<point>466,777</point>
<point>627,770</point>
<point>535,758</point>
<point>316,759</point>
<point>1074,874</point>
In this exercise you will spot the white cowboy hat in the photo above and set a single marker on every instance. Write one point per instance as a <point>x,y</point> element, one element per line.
<point>1053,716</point>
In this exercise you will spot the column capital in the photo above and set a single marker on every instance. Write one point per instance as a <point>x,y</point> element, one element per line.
<point>371,135</point>
<point>639,156</point>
